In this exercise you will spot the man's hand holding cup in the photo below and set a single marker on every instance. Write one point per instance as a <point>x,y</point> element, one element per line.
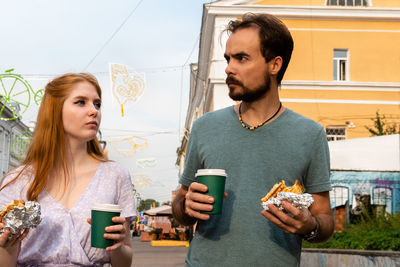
<point>206,196</point>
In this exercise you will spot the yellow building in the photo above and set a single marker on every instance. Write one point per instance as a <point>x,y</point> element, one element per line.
<point>345,65</point>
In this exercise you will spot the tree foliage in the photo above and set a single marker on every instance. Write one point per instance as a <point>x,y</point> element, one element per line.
<point>147,204</point>
<point>381,126</point>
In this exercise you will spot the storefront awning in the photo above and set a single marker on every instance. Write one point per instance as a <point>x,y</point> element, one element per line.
<point>162,210</point>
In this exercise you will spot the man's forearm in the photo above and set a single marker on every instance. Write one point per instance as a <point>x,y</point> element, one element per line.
<point>322,211</point>
<point>326,228</point>
<point>178,210</point>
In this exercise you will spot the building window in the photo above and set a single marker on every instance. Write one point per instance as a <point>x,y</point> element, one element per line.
<point>335,133</point>
<point>20,144</point>
<point>339,196</point>
<point>340,65</point>
<point>1,139</point>
<point>347,2</point>
<point>383,196</point>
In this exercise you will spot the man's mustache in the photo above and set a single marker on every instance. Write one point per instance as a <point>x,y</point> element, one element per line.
<point>231,80</point>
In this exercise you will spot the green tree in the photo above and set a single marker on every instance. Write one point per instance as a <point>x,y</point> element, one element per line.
<point>147,204</point>
<point>381,126</point>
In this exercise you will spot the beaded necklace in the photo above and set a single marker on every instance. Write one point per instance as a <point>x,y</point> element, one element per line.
<point>252,128</point>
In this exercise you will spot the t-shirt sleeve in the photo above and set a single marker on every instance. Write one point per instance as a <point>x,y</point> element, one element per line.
<point>192,160</point>
<point>126,198</point>
<point>318,173</point>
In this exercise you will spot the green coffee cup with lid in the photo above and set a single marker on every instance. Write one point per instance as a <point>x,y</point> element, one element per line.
<point>215,180</point>
<point>102,215</point>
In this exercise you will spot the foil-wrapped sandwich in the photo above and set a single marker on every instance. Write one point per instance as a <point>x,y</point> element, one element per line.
<point>294,194</point>
<point>19,216</point>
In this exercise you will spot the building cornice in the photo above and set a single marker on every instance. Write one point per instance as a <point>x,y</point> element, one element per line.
<point>334,85</point>
<point>307,12</point>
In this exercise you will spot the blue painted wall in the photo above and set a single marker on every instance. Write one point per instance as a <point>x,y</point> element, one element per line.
<point>363,182</point>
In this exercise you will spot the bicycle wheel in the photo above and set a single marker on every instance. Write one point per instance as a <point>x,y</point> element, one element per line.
<point>14,90</point>
<point>38,96</point>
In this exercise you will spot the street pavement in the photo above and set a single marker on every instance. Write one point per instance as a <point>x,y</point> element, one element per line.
<point>145,255</point>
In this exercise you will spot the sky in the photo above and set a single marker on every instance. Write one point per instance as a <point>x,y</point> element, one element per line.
<point>41,39</point>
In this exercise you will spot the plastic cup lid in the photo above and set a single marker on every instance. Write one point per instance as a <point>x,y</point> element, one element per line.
<point>107,207</point>
<point>219,172</point>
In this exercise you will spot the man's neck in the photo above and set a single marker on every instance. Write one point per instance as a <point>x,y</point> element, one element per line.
<point>260,110</point>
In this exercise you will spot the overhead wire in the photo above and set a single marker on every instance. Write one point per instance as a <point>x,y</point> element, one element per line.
<point>136,131</point>
<point>113,35</point>
<point>49,76</point>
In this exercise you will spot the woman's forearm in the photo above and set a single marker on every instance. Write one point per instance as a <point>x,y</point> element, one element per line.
<point>122,257</point>
<point>8,257</point>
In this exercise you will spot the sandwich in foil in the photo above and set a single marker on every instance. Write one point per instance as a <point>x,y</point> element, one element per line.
<point>19,216</point>
<point>293,194</point>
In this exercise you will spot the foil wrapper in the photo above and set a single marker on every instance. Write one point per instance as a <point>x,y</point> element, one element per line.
<point>300,201</point>
<point>21,218</point>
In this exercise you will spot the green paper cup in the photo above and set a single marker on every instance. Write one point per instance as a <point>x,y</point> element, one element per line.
<point>214,179</point>
<point>102,215</point>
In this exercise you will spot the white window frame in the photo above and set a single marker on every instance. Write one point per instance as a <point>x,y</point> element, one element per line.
<point>376,199</point>
<point>336,137</point>
<point>341,193</point>
<point>341,65</point>
<point>351,3</point>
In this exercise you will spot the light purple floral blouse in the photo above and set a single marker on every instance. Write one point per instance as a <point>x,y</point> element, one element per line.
<point>63,237</point>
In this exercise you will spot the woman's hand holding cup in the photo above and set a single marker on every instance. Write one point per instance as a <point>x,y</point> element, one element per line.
<point>116,232</point>
<point>108,227</point>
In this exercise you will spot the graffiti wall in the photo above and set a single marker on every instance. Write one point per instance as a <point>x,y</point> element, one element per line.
<point>383,187</point>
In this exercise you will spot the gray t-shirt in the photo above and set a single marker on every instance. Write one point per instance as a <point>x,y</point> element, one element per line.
<point>289,148</point>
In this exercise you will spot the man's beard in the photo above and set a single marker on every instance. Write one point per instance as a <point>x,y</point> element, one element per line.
<point>248,95</point>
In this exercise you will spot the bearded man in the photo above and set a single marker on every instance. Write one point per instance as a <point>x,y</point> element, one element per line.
<point>258,142</point>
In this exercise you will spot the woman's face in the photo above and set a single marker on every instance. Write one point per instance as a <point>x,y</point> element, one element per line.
<point>81,113</point>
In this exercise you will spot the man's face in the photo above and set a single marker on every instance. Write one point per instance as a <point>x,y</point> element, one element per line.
<point>247,72</point>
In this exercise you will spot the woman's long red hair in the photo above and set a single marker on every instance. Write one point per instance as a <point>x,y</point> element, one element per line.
<point>47,150</point>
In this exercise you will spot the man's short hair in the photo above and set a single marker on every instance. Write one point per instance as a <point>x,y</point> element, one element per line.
<point>275,38</point>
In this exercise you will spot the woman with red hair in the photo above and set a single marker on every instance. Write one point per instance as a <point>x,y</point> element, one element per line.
<point>66,171</point>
